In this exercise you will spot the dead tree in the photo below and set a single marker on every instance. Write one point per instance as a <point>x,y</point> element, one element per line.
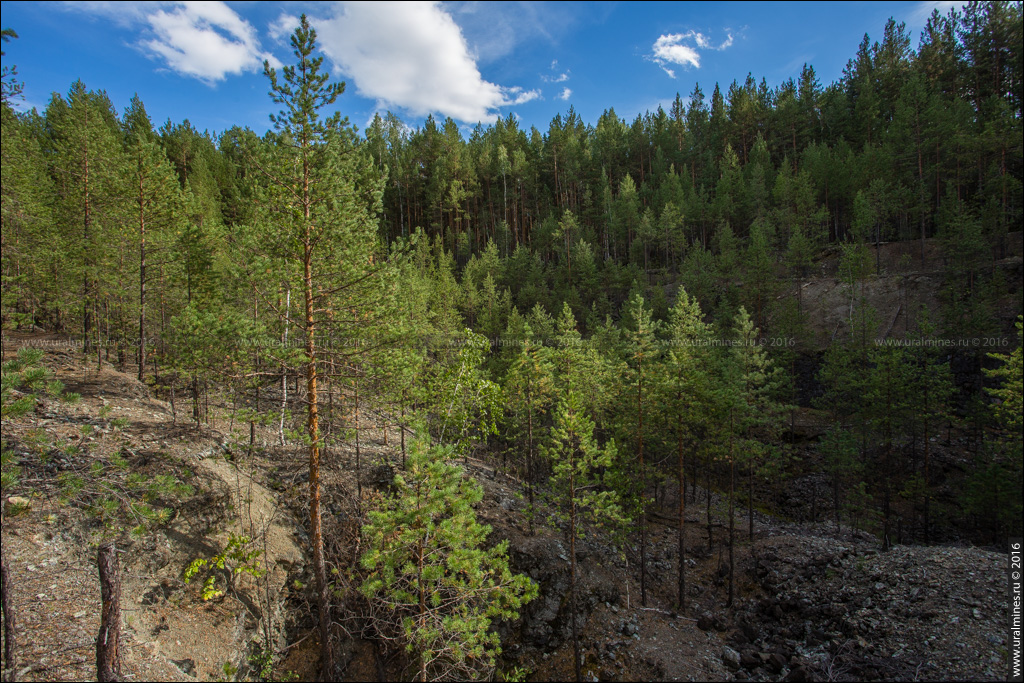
<point>10,664</point>
<point>108,641</point>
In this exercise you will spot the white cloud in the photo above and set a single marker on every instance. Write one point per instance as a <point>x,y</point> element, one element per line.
<point>204,40</point>
<point>124,14</point>
<point>283,27</point>
<point>559,78</point>
<point>565,94</point>
<point>521,96</point>
<point>672,48</point>
<point>919,16</point>
<point>413,56</point>
<point>496,29</point>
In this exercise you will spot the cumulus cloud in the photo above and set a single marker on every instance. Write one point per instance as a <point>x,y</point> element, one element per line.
<point>520,96</point>
<point>681,49</point>
<point>565,94</point>
<point>413,56</point>
<point>204,40</point>
<point>283,27</point>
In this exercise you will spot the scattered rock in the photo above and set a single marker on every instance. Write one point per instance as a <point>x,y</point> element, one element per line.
<point>15,504</point>
<point>800,674</point>
<point>187,666</point>
<point>776,663</point>
<point>749,660</point>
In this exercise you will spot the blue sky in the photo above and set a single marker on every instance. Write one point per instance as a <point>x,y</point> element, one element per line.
<point>472,61</point>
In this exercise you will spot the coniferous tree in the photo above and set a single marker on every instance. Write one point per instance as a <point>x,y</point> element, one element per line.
<point>33,286</point>
<point>316,226</point>
<point>886,403</point>
<point>529,385</point>
<point>576,482</point>
<point>839,448</point>
<point>87,164</point>
<point>155,198</point>
<point>687,388</point>
<point>757,408</point>
<point>932,383</point>
<point>643,359</point>
<point>431,574</point>
<point>1007,466</point>
<point>10,87</point>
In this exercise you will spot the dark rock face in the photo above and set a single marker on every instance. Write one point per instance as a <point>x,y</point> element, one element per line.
<point>800,674</point>
<point>841,605</point>
<point>712,622</point>
<point>749,660</point>
<point>731,658</point>
<point>545,623</point>
<point>381,477</point>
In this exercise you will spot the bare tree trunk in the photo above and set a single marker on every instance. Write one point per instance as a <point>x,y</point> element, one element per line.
<point>402,427</point>
<point>256,363</point>
<point>10,662</point>
<point>423,609</point>
<point>284,368</point>
<point>682,513</point>
<point>750,498</point>
<point>142,289</point>
<point>355,423</point>
<point>927,475</point>
<point>732,515</point>
<point>313,430</point>
<point>529,455</point>
<point>108,641</point>
<point>643,485</point>
<point>577,666</point>
<point>707,498</point>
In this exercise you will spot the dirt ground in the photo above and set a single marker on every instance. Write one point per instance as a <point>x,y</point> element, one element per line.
<point>171,633</point>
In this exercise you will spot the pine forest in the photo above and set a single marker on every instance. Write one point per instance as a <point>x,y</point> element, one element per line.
<point>730,391</point>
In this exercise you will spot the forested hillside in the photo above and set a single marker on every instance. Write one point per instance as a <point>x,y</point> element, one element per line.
<point>792,304</point>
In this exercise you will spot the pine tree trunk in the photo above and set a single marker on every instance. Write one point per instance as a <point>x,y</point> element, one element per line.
<point>108,641</point>
<point>682,513</point>
<point>423,609</point>
<point>572,566</point>
<point>402,427</point>
<point>732,516</point>
<point>927,480</point>
<point>256,364</point>
<point>313,430</point>
<point>835,500</point>
<point>643,485</point>
<point>195,399</point>
<point>750,498</point>
<point>529,455</point>
<point>87,321</point>
<point>10,667</point>
<point>142,289</point>
<point>707,498</point>
<point>359,464</point>
<point>284,368</point>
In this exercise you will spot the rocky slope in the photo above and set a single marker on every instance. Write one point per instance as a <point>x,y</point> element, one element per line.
<point>812,603</point>
<point>50,540</point>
